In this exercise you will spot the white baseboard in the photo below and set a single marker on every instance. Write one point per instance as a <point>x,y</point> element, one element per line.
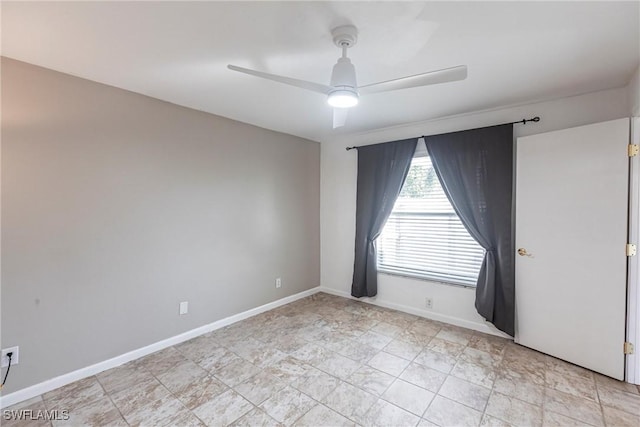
<point>485,328</point>
<point>54,383</point>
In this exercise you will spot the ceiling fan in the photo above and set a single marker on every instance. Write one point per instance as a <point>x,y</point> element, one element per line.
<point>343,91</point>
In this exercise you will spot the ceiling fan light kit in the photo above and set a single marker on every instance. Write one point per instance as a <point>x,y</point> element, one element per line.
<point>343,91</point>
<point>343,99</point>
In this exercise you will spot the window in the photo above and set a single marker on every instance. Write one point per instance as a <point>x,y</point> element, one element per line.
<point>424,237</point>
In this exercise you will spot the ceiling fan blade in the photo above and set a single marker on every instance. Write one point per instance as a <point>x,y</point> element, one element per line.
<point>315,87</point>
<point>340,117</point>
<point>430,78</point>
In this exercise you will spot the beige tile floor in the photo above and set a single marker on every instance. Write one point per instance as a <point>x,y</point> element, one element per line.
<point>330,361</point>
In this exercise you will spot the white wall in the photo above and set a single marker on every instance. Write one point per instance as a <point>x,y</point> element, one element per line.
<point>634,93</point>
<point>338,195</point>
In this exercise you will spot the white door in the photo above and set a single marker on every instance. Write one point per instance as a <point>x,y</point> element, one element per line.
<point>571,219</point>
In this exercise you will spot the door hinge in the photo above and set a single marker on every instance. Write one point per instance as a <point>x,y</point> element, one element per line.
<point>631,249</point>
<point>633,150</point>
<point>628,348</point>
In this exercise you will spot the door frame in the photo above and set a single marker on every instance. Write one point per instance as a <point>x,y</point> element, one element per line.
<point>632,371</point>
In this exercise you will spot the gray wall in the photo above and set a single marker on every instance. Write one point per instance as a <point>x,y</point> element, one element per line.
<point>116,207</point>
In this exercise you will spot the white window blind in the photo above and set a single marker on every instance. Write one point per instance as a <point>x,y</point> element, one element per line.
<point>424,237</point>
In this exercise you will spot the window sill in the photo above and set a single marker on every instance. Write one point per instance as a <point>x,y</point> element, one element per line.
<point>425,279</point>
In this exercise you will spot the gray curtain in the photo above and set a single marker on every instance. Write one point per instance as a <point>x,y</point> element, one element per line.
<point>382,169</point>
<point>475,168</point>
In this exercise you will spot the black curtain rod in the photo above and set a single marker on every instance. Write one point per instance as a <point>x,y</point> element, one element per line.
<point>519,122</point>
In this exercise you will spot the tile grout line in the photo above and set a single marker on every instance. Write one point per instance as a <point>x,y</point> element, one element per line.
<point>111,399</point>
<point>45,407</point>
<point>397,378</point>
<point>493,386</point>
<point>604,421</point>
<point>544,393</point>
<point>440,386</point>
<point>170,392</point>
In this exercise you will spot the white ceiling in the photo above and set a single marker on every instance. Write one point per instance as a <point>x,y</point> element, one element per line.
<point>516,52</point>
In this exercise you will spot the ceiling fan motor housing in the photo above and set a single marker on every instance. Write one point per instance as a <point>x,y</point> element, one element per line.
<point>344,74</point>
<point>343,82</point>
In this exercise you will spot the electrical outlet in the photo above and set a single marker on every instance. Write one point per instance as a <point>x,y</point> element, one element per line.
<point>428,302</point>
<point>184,307</point>
<point>278,282</point>
<point>14,356</point>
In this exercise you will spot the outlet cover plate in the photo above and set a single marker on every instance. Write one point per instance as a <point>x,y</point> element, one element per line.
<point>15,357</point>
<point>428,302</point>
<point>184,307</point>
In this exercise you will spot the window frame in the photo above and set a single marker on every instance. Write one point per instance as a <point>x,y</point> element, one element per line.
<point>421,151</point>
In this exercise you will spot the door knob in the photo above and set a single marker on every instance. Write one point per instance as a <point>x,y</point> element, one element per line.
<point>523,252</point>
